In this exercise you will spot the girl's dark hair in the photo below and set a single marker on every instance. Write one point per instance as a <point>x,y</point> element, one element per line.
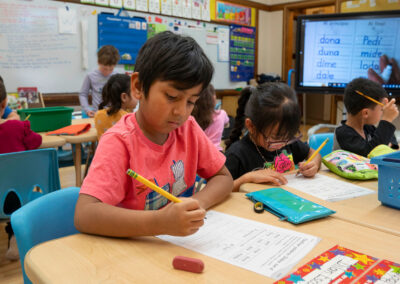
<point>3,92</point>
<point>171,57</point>
<point>267,105</point>
<point>112,90</point>
<point>204,108</point>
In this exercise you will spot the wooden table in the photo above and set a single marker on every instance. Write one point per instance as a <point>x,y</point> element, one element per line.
<point>77,140</point>
<point>51,141</point>
<point>365,210</point>
<point>85,258</point>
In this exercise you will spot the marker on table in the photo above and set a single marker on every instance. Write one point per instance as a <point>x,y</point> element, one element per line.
<point>315,153</point>
<point>369,98</point>
<point>26,118</point>
<point>154,187</point>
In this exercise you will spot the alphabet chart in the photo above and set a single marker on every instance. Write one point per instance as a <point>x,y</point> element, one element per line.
<point>342,265</point>
<point>335,51</point>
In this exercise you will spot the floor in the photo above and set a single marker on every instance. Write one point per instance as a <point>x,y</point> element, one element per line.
<point>10,272</point>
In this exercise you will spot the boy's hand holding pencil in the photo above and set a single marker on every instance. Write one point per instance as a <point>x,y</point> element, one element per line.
<point>182,217</point>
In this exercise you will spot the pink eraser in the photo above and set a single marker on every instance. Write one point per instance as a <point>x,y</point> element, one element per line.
<point>188,264</point>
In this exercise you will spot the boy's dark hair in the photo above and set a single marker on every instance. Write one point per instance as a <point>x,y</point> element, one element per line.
<point>3,92</point>
<point>204,108</point>
<point>112,90</point>
<point>108,55</point>
<point>267,105</point>
<point>354,102</point>
<point>171,57</point>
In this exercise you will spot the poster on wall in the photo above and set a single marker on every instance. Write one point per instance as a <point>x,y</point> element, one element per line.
<point>154,6</point>
<point>129,4</point>
<point>166,7</point>
<point>177,8</point>
<point>142,5</point>
<point>241,52</point>
<point>205,10</point>
<point>187,8</point>
<point>232,13</point>
<point>196,9</point>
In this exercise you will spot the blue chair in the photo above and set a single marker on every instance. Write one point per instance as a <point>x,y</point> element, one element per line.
<point>22,172</point>
<point>48,217</point>
<point>316,140</point>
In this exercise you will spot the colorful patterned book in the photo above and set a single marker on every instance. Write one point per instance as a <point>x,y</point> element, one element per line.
<point>342,265</point>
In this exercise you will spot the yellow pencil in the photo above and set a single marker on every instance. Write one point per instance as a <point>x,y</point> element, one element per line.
<point>315,153</point>
<point>154,187</point>
<point>26,118</point>
<point>369,98</point>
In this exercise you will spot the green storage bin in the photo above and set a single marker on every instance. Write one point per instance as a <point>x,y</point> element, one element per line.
<point>47,118</point>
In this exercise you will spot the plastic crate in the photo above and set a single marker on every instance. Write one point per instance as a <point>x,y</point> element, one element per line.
<point>48,118</point>
<point>388,178</point>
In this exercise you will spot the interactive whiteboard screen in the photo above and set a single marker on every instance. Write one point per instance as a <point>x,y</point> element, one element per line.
<point>336,48</point>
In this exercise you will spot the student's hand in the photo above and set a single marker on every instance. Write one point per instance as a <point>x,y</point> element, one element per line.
<point>383,62</point>
<point>390,110</point>
<point>266,176</point>
<point>182,219</point>
<point>308,170</point>
<point>90,113</point>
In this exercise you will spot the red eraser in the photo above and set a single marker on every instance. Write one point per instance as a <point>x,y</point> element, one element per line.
<point>188,264</point>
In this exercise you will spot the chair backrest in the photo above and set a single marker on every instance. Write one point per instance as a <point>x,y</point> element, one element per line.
<point>316,140</point>
<point>21,172</point>
<point>48,217</point>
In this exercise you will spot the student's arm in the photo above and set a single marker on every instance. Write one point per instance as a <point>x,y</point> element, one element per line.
<point>95,217</point>
<point>13,116</point>
<point>84,95</point>
<point>260,176</point>
<point>216,190</point>
<point>240,176</point>
<point>350,140</point>
<point>32,140</point>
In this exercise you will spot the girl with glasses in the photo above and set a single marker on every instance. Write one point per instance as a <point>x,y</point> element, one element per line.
<point>271,145</point>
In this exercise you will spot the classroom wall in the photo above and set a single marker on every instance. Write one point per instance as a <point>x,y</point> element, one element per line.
<point>270,42</point>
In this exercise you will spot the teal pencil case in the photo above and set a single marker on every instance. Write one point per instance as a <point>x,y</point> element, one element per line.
<point>288,206</point>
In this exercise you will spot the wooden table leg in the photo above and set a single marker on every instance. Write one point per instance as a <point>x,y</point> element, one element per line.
<point>78,165</point>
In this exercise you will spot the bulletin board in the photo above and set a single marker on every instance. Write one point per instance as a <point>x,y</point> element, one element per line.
<point>34,54</point>
<point>125,33</point>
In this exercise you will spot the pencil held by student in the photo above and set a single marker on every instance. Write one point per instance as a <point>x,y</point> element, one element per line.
<point>163,143</point>
<point>271,116</point>
<point>370,114</point>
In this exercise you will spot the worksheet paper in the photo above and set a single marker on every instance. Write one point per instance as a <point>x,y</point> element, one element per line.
<point>326,188</point>
<point>258,247</point>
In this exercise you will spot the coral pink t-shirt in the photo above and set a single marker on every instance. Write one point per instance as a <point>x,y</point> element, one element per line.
<point>16,136</point>
<point>215,129</point>
<point>172,166</point>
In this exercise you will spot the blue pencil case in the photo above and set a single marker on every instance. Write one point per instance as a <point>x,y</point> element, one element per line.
<point>288,206</point>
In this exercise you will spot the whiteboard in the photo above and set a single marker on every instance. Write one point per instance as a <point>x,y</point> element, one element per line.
<point>34,54</point>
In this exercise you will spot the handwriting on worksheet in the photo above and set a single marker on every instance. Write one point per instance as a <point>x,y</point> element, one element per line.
<point>326,188</point>
<point>262,248</point>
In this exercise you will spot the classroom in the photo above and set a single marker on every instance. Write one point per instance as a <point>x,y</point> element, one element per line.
<point>202,141</point>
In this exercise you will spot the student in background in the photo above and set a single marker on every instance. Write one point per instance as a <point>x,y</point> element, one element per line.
<point>210,120</point>
<point>118,101</point>
<point>358,134</point>
<point>107,58</point>
<point>163,143</point>
<point>15,136</point>
<point>8,113</point>
<point>272,145</point>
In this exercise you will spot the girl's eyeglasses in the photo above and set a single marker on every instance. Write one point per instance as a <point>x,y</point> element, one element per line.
<point>280,143</point>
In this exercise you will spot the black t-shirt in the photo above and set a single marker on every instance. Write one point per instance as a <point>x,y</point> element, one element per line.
<point>242,157</point>
<point>349,140</point>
